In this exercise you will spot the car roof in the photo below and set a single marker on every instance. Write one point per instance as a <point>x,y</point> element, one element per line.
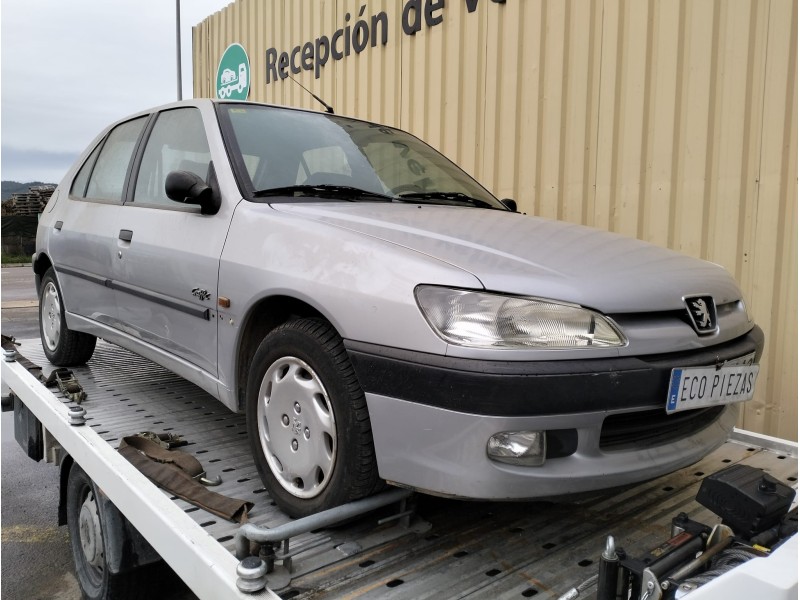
<point>208,102</point>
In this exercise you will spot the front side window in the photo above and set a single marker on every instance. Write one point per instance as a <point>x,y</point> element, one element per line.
<point>107,179</point>
<point>177,143</point>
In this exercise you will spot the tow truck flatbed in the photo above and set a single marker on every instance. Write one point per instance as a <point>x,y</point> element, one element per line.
<point>448,549</point>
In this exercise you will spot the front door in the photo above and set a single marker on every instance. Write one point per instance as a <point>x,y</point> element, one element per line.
<point>168,256</point>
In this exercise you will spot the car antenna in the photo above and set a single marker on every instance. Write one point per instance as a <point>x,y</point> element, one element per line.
<point>328,107</point>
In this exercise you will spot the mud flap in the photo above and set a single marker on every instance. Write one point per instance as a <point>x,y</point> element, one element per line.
<point>28,431</point>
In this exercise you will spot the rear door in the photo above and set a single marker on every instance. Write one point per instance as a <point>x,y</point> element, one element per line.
<point>166,276</point>
<point>82,243</point>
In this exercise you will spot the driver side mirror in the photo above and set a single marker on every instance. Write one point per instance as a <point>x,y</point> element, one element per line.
<point>190,188</point>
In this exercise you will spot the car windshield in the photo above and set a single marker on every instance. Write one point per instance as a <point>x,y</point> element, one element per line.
<point>286,155</point>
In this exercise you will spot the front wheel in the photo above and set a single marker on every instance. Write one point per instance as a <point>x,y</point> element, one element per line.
<point>62,346</point>
<point>307,420</point>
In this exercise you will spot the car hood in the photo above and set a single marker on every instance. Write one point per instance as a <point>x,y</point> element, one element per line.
<point>518,254</point>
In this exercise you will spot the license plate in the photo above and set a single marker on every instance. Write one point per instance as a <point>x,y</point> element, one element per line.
<point>699,387</point>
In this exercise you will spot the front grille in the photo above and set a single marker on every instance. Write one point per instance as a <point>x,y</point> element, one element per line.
<point>654,427</point>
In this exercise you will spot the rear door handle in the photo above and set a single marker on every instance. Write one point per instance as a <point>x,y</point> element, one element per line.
<point>126,235</point>
<point>58,225</point>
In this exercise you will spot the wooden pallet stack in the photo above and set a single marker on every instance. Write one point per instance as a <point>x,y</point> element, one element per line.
<point>29,203</point>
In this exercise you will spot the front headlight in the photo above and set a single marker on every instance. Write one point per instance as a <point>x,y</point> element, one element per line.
<point>485,320</point>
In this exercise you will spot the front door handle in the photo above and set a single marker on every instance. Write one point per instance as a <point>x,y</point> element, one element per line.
<point>59,225</point>
<point>126,235</point>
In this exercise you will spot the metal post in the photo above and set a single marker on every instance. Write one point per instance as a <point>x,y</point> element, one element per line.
<point>178,44</point>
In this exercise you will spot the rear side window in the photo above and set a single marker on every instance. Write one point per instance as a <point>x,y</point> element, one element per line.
<point>177,143</point>
<point>107,178</point>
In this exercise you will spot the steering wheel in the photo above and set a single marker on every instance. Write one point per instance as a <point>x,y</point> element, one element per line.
<point>406,187</point>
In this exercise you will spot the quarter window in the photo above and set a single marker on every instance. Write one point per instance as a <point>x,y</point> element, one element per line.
<point>177,143</point>
<point>107,180</point>
<point>82,178</point>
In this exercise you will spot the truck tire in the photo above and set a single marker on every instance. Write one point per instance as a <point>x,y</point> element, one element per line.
<point>86,536</point>
<point>307,420</point>
<point>62,346</point>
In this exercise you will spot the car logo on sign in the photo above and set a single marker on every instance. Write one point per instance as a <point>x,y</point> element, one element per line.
<point>702,313</point>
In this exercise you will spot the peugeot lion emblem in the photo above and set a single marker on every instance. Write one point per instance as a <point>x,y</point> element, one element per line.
<point>702,313</point>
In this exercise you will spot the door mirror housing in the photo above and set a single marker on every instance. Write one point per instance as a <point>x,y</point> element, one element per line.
<point>190,188</point>
<point>509,204</point>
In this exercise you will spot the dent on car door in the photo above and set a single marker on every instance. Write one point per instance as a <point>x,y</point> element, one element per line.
<point>166,270</point>
<point>83,239</point>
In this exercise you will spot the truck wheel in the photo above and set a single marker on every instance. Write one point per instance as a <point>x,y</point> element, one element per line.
<point>307,418</point>
<point>62,346</point>
<point>85,523</point>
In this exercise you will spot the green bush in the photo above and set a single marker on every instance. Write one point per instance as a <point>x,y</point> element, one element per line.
<point>14,259</point>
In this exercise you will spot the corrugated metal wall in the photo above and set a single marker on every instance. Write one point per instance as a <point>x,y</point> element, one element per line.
<point>674,121</point>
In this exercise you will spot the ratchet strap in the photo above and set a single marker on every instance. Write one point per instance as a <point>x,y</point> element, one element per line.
<point>180,473</point>
<point>152,454</point>
<point>64,379</point>
<point>67,383</point>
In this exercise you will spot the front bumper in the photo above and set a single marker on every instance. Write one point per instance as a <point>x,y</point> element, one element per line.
<point>606,421</point>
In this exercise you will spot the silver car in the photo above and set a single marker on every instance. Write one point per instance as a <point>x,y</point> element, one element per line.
<point>380,316</point>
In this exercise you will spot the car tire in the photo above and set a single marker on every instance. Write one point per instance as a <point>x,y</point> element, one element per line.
<point>86,535</point>
<point>308,422</point>
<point>62,346</point>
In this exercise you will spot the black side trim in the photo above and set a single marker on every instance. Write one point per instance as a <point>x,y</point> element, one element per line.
<point>83,275</point>
<point>531,388</point>
<point>185,307</point>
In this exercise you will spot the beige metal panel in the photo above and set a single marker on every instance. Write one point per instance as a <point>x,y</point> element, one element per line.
<point>632,117</point>
<point>496,152</point>
<point>552,29</point>
<point>453,140</point>
<point>727,187</point>
<point>663,110</point>
<point>671,120</point>
<point>465,73</point>
<point>579,119</point>
<point>775,272</point>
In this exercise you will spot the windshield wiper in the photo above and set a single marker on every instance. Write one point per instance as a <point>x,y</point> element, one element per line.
<point>323,190</point>
<point>451,196</point>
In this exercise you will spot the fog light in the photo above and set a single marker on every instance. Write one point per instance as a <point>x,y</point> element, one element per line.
<point>523,448</point>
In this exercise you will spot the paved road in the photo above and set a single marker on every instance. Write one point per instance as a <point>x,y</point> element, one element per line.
<point>19,305</point>
<point>35,556</point>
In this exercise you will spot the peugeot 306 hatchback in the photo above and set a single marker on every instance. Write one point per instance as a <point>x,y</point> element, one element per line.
<point>380,316</point>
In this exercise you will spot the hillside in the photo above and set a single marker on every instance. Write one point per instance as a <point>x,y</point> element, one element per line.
<point>13,187</point>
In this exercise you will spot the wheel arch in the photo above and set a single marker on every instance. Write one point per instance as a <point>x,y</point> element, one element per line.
<point>66,465</point>
<point>125,547</point>
<point>264,316</point>
<point>41,263</point>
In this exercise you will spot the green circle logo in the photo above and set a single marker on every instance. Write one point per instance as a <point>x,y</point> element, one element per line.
<point>233,74</point>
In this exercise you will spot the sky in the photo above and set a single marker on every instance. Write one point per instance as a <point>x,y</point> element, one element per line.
<point>68,68</point>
